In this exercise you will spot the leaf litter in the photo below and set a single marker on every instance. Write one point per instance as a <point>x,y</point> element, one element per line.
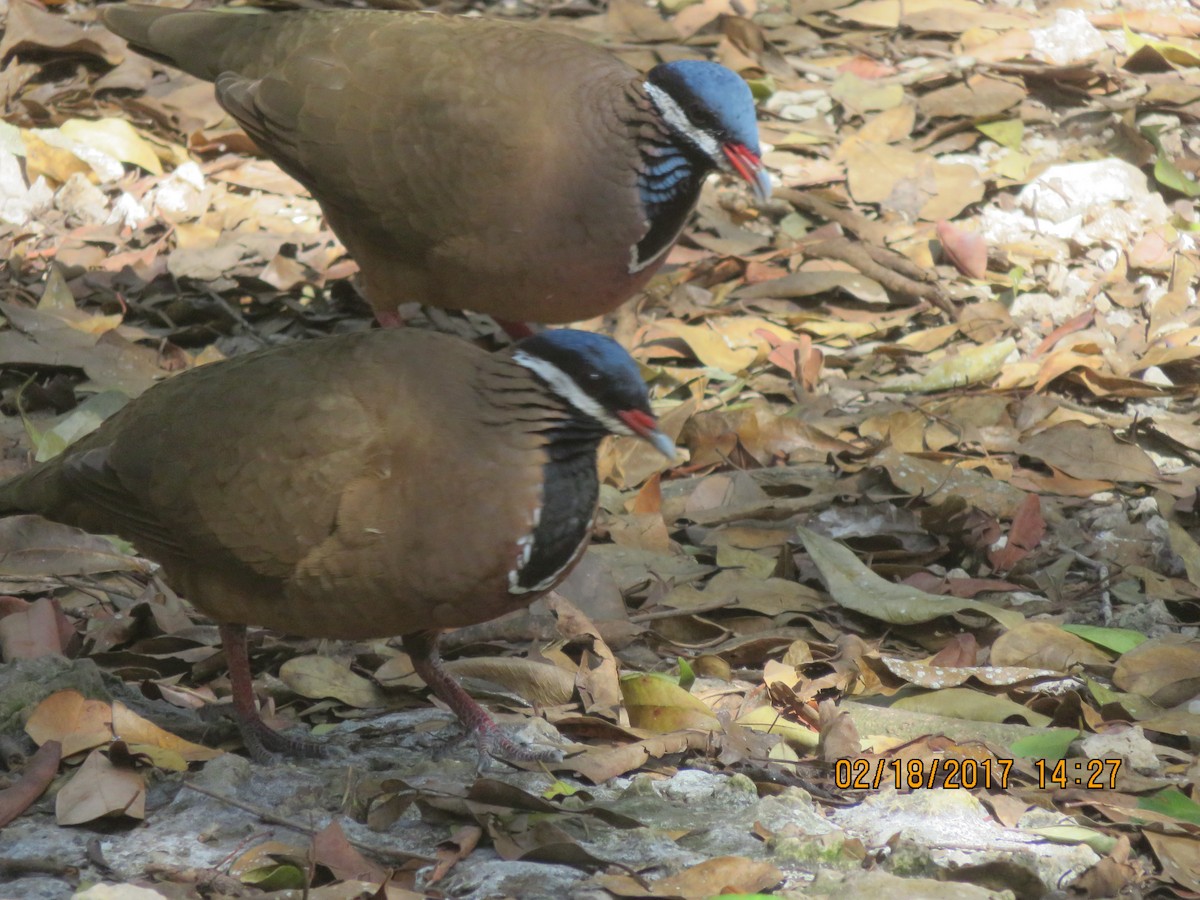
<point>937,502</point>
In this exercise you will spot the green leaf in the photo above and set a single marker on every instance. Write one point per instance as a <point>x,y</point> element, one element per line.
<point>1005,132</point>
<point>1172,802</point>
<point>1076,834</point>
<point>560,788</point>
<point>1050,745</point>
<point>1166,172</point>
<point>687,675</point>
<point>82,420</point>
<point>761,88</point>
<point>1118,640</point>
<point>276,878</point>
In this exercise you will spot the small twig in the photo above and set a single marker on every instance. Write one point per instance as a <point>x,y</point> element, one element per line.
<point>671,613</point>
<point>37,866</point>
<point>880,264</point>
<point>1106,609</point>
<point>857,224</point>
<point>273,819</point>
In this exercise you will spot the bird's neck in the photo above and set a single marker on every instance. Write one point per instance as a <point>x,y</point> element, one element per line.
<point>569,493</point>
<point>514,397</point>
<point>669,177</point>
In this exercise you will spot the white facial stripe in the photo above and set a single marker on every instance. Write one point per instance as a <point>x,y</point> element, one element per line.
<point>678,121</point>
<point>563,385</point>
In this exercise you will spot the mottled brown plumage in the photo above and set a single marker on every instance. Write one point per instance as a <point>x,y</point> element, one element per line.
<point>376,484</point>
<point>463,162</point>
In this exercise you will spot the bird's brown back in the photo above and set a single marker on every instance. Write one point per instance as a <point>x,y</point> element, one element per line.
<point>462,162</point>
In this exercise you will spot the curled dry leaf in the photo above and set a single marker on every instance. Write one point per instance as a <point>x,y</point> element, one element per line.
<point>713,877</point>
<point>538,683</point>
<point>597,677</point>
<point>963,703</point>
<point>939,677</point>
<point>1091,452</point>
<point>967,250</point>
<point>603,763</point>
<point>34,546</point>
<point>1028,529</point>
<point>36,777</point>
<point>331,849</point>
<point>768,720</point>
<point>969,366</point>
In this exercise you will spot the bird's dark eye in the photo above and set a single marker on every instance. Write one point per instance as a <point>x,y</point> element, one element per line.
<point>593,376</point>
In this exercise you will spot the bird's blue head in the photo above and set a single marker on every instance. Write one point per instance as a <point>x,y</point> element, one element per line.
<point>712,109</point>
<point>598,378</point>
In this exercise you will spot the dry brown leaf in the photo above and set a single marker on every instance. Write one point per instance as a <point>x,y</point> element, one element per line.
<point>1028,529</point>
<point>317,677</point>
<point>538,683</point>
<point>331,849</point>
<point>722,875</point>
<point>40,629</point>
<point>99,789</point>
<point>1091,453</point>
<point>77,724</point>
<point>597,678</point>
<point>1165,670</point>
<point>967,250</point>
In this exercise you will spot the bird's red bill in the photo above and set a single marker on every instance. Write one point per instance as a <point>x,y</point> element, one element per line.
<point>748,165</point>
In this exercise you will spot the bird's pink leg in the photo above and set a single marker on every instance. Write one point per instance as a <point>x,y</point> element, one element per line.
<point>422,648</point>
<point>388,318</point>
<point>261,741</point>
<point>517,330</point>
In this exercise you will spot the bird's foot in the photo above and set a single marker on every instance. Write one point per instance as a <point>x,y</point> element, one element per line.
<point>491,741</point>
<point>495,744</point>
<point>264,743</point>
<point>389,318</point>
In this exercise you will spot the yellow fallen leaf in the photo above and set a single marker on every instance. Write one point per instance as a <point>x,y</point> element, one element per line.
<point>133,729</point>
<point>971,366</point>
<point>116,138</point>
<point>657,703</point>
<point>54,163</point>
<point>76,723</point>
<point>767,720</point>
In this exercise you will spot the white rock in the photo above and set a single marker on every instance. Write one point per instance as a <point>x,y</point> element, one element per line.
<point>1070,38</point>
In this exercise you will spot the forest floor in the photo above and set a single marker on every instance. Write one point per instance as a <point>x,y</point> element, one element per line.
<point>934,521</point>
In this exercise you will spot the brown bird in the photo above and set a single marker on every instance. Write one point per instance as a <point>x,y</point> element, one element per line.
<point>471,162</point>
<point>395,482</point>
